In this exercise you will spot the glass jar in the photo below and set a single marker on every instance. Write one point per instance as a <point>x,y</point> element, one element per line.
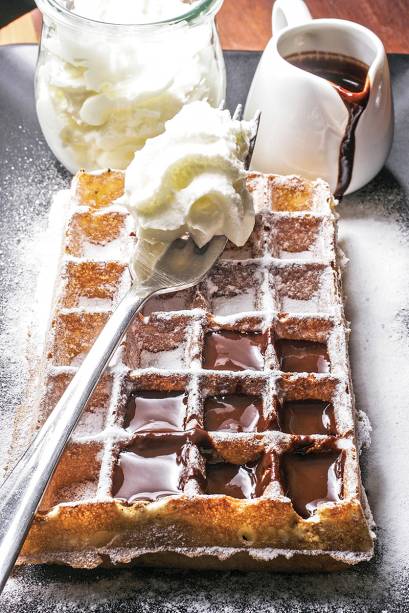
<point>102,89</point>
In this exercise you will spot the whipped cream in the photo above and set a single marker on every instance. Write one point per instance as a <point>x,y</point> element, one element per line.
<point>191,179</point>
<point>101,94</point>
<point>132,11</point>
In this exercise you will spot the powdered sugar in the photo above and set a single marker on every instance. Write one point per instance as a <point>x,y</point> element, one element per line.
<point>170,360</point>
<point>377,281</point>
<point>26,195</point>
<point>241,303</point>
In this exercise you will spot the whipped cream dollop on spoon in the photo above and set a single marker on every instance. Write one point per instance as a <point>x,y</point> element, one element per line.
<point>192,180</point>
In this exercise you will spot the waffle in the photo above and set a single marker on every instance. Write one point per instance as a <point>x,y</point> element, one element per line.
<point>222,434</point>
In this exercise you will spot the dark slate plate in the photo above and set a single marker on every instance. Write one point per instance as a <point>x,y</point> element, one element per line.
<point>374,232</point>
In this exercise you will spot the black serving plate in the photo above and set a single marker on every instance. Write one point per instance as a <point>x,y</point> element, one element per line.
<point>374,233</point>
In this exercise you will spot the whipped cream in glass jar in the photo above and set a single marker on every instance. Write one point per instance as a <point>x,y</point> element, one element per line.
<point>110,73</point>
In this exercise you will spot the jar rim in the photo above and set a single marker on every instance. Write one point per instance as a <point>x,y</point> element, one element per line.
<point>59,12</point>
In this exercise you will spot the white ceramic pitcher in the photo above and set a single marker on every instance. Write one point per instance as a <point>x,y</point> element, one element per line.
<point>304,118</point>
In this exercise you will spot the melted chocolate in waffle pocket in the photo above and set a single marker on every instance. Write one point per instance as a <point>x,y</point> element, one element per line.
<point>151,467</point>
<point>231,350</point>
<point>311,479</point>
<point>307,417</point>
<point>303,356</point>
<point>234,413</point>
<point>238,481</point>
<point>155,411</point>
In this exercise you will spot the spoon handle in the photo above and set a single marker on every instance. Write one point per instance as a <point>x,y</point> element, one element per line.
<point>22,490</point>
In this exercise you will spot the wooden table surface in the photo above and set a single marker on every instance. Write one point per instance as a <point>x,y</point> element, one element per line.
<point>246,24</point>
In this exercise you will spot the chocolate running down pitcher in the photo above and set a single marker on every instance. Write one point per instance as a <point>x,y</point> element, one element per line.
<point>323,87</point>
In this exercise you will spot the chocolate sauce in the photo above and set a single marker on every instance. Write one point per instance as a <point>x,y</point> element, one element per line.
<point>155,411</point>
<point>238,481</point>
<point>307,417</point>
<point>150,468</point>
<point>302,356</point>
<point>311,479</point>
<point>230,350</point>
<point>349,78</point>
<point>234,413</point>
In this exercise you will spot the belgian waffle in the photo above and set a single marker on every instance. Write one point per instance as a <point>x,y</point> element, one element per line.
<point>223,432</point>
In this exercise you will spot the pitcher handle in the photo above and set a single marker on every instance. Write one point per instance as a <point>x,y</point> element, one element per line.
<point>289,13</point>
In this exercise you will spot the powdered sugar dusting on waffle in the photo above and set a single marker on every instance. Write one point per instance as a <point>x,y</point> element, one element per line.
<point>271,291</point>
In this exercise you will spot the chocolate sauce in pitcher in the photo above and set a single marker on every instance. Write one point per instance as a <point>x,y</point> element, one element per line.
<point>350,78</point>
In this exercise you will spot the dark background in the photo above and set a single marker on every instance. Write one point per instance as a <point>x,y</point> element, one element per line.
<point>11,9</point>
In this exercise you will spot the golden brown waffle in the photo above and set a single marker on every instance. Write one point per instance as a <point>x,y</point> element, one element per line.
<point>286,455</point>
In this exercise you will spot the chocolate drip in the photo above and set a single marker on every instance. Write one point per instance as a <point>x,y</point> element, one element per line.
<point>349,78</point>
<point>302,356</point>
<point>347,147</point>
<point>234,413</point>
<point>230,350</point>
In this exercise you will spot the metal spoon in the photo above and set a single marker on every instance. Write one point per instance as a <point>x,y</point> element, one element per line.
<point>181,266</point>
